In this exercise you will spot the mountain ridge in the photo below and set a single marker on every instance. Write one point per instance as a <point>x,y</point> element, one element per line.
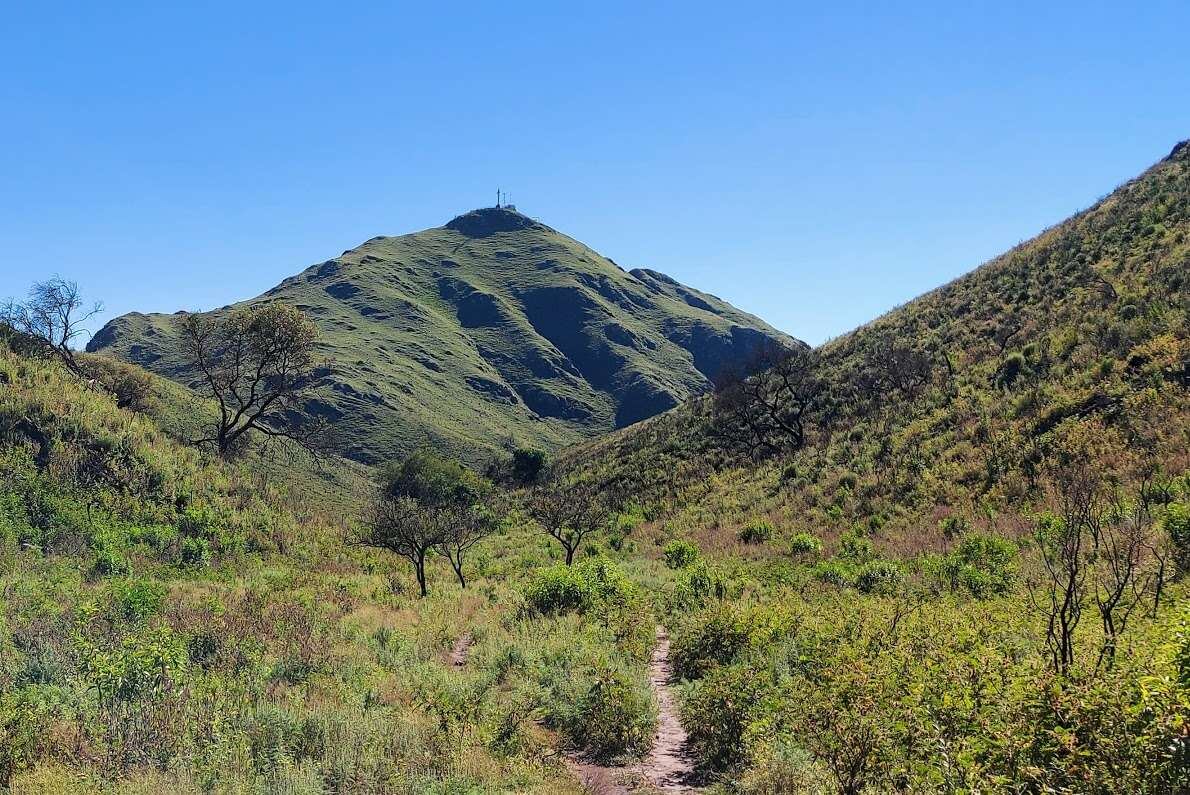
<point>492,328</point>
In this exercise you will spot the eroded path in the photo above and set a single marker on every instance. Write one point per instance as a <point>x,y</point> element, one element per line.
<point>668,768</point>
<point>461,650</point>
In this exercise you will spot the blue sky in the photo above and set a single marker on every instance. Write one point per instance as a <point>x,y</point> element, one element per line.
<point>816,164</point>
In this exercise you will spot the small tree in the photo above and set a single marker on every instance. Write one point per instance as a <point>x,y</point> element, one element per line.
<point>403,526</point>
<point>450,495</point>
<point>54,314</point>
<point>764,409</point>
<point>466,526</point>
<point>570,511</point>
<point>257,363</point>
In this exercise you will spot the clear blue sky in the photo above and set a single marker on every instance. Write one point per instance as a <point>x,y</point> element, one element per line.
<point>815,164</point>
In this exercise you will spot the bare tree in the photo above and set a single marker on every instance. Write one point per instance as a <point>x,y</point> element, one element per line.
<point>54,313</point>
<point>764,410</point>
<point>1123,543</point>
<point>257,364</point>
<point>404,526</point>
<point>892,369</point>
<point>1095,547</point>
<point>569,512</point>
<point>465,526</point>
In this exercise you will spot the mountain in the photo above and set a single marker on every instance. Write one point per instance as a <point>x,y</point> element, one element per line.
<point>492,328</point>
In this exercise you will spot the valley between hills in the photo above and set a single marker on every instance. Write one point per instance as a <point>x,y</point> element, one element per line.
<point>474,509</point>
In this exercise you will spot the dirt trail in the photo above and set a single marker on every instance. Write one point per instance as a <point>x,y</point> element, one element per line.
<point>667,768</point>
<point>461,650</point>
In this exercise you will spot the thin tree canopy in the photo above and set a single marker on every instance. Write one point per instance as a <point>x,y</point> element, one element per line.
<point>257,364</point>
<point>54,314</point>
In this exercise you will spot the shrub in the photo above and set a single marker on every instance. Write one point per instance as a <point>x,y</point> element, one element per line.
<point>983,565</point>
<point>835,572</point>
<point>879,576</point>
<point>804,544</point>
<point>195,552</point>
<point>136,600</point>
<point>131,386</point>
<point>615,717</point>
<point>756,533</point>
<point>855,548</point>
<point>717,711</point>
<point>680,553</point>
<point>109,564</point>
<point>710,640</point>
<point>697,584</point>
<point>1176,523</point>
<point>595,582</point>
<point>19,732</point>
<point>1010,369</point>
<point>527,465</point>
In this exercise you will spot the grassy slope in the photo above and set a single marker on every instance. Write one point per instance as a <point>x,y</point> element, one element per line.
<point>1119,353</point>
<point>860,668</point>
<point>492,328</point>
<point>170,623</point>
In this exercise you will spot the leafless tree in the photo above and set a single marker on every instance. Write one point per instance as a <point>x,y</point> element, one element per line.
<point>570,511</point>
<point>1095,547</point>
<point>894,370</point>
<point>257,364</point>
<point>1123,543</point>
<point>764,409</point>
<point>53,313</point>
<point>404,526</point>
<point>1064,541</point>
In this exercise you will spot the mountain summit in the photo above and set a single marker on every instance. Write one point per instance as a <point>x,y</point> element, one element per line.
<point>494,327</point>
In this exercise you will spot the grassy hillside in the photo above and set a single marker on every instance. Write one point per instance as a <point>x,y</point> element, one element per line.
<point>172,623</point>
<point>872,613</point>
<point>1090,321</point>
<point>492,328</point>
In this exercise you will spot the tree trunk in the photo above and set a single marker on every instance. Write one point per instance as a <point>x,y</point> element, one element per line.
<point>419,563</point>
<point>457,564</point>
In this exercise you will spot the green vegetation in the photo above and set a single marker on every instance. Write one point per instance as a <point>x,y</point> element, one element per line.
<point>955,561</point>
<point>493,326</point>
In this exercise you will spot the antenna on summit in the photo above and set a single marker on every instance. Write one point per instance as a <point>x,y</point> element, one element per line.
<point>497,198</point>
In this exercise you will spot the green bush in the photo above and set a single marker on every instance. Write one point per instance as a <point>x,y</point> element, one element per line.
<point>804,544</point>
<point>109,563</point>
<point>680,553</point>
<point>195,552</point>
<point>697,584</point>
<point>527,465</point>
<point>595,582</point>
<point>713,638</point>
<point>879,576</point>
<point>1176,523</point>
<point>983,565</point>
<point>717,711</point>
<point>137,600</point>
<point>615,717</point>
<point>756,533</point>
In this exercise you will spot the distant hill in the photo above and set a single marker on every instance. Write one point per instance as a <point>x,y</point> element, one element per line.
<point>492,328</point>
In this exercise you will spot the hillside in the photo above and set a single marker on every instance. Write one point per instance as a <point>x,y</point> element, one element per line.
<point>491,328</point>
<point>973,575</point>
<point>174,623</point>
<point>1089,321</point>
